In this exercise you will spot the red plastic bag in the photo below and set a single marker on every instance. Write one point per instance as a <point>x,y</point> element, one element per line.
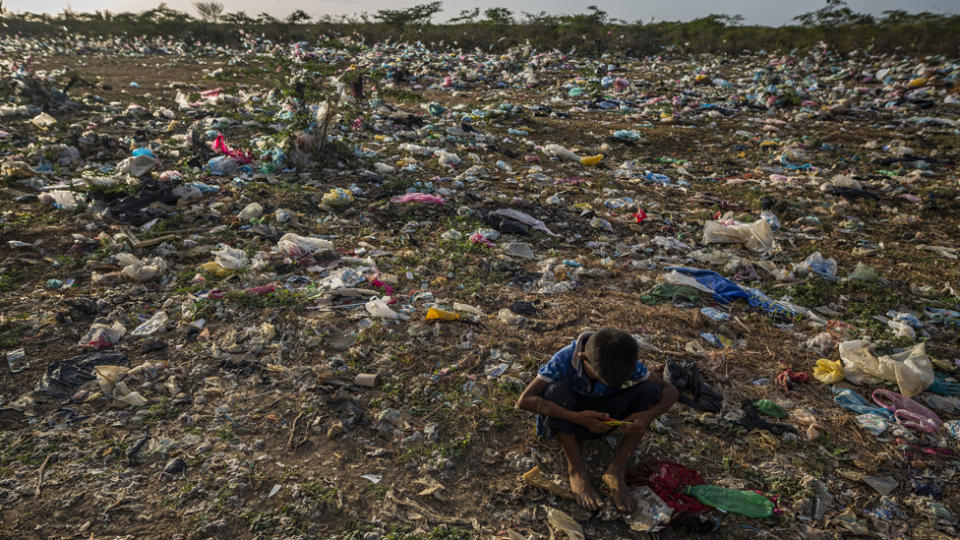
<point>668,480</point>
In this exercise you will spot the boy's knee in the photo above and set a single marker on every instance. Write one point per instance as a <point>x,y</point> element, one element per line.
<point>647,395</point>
<point>559,393</point>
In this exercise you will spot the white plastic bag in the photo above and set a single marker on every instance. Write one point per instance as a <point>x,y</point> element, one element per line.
<point>910,369</point>
<point>756,236</point>
<point>151,325</point>
<point>231,258</point>
<point>902,329</point>
<point>379,308</point>
<point>110,379</point>
<point>447,159</point>
<point>43,120</point>
<point>63,199</point>
<point>555,150</point>
<point>223,165</point>
<point>651,513</point>
<point>102,336</point>
<point>137,270</point>
<point>676,278</point>
<point>251,211</point>
<point>138,165</point>
<point>815,263</point>
<point>296,245</point>
<point>524,218</point>
<point>859,363</point>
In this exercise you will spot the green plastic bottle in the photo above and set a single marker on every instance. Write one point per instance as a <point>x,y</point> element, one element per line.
<point>747,503</point>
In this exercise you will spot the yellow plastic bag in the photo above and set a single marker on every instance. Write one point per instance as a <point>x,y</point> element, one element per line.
<point>828,371</point>
<point>214,268</point>
<point>591,161</point>
<point>337,198</point>
<point>434,314</point>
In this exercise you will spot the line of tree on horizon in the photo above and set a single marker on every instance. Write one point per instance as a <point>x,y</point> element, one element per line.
<point>834,13</point>
<point>593,31</point>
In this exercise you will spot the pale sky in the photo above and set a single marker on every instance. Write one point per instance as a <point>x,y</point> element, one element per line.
<point>769,12</point>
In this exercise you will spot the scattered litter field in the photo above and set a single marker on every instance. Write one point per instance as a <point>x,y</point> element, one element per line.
<point>202,248</point>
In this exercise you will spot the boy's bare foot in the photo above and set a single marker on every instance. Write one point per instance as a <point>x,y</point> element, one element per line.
<point>619,490</point>
<point>586,495</point>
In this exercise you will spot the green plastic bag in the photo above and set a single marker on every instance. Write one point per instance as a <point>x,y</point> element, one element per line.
<point>769,408</point>
<point>747,503</point>
<point>668,292</point>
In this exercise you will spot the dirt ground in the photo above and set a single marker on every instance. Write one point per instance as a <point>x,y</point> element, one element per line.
<point>276,437</point>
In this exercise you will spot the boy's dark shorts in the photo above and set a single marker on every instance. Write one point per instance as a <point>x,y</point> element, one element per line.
<point>627,401</point>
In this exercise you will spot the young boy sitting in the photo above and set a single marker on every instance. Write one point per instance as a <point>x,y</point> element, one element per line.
<point>581,388</point>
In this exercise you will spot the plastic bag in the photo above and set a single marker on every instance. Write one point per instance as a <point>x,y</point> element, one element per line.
<point>651,513</point>
<point>822,343</point>
<point>863,272</point>
<point>722,289</point>
<point>231,258</point>
<point>591,161</point>
<point>418,197</point>
<point>138,165</point>
<point>141,270</point>
<point>562,521</point>
<point>251,211</point>
<point>102,336</point>
<point>63,199</point>
<point>379,308</point>
<point>298,246</point>
<point>747,503</point>
<point>829,371</point>
<point>448,159</point>
<point>214,268</point>
<point>151,325</point>
<point>467,308</point>
<point>434,314</point>
<point>853,401</point>
<point>860,365</point>
<point>756,236</point>
<point>910,369</point>
<point>769,408</point>
<point>537,479</point>
<point>337,198</point>
<point>64,376</point>
<point>522,217</point>
<point>815,263</point>
<point>874,423</point>
<point>883,484</point>
<point>110,378</point>
<point>43,120</point>
<point>902,329</point>
<point>555,150</point>
<point>223,165</point>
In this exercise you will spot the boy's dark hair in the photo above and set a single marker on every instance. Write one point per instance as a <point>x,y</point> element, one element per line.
<point>613,353</point>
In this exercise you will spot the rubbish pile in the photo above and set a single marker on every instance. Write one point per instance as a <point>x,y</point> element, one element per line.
<point>300,297</point>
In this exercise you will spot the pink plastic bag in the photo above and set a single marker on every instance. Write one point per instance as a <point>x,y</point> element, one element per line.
<point>220,145</point>
<point>418,197</point>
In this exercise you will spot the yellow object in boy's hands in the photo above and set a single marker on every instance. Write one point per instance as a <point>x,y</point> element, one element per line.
<point>616,423</point>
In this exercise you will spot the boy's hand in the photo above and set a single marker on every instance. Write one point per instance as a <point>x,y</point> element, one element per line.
<point>639,423</point>
<point>594,421</point>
